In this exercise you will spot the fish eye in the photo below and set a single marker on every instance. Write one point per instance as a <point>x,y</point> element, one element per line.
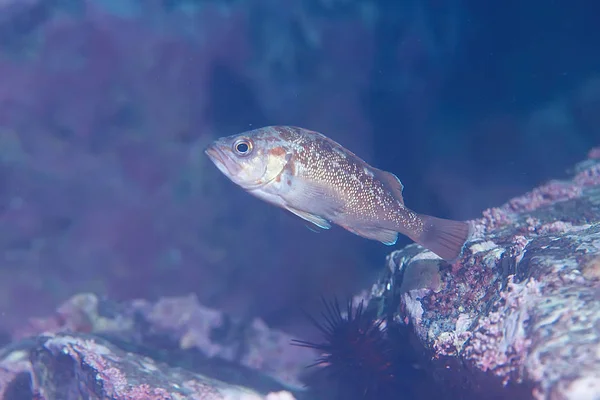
<point>242,147</point>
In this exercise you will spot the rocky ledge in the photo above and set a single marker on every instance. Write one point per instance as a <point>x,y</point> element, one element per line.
<point>169,350</point>
<point>518,316</point>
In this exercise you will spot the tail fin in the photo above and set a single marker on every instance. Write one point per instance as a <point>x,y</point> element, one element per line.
<point>444,237</point>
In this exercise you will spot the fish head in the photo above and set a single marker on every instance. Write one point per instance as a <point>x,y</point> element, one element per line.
<point>251,159</point>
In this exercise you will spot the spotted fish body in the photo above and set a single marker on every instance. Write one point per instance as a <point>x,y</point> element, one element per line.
<point>322,182</point>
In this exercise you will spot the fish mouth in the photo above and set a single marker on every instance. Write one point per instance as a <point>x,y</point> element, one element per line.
<point>214,154</point>
<point>221,160</point>
<point>228,164</point>
<point>218,158</point>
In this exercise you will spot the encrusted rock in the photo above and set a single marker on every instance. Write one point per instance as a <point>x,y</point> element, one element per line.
<point>518,316</point>
<point>74,366</point>
<point>174,348</point>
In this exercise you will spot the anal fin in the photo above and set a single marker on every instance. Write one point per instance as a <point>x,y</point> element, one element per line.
<point>315,219</point>
<point>385,236</point>
<point>313,228</point>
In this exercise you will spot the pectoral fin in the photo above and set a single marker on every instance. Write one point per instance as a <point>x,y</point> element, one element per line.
<point>315,219</point>
<point>384,236</point>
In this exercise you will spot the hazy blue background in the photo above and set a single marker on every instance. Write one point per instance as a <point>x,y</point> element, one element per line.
<point>106,105</point>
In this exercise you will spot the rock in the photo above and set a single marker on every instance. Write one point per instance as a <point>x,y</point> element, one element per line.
<point>182,326</point>
<point>518,316</point>
<point>74,366</point>
<point>174,348</point>
<point>15,377</point>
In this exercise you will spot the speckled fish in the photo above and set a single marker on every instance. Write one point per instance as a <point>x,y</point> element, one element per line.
<point>322,182</point>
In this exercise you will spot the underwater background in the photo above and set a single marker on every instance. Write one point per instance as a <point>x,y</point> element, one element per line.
<point>106,107</point>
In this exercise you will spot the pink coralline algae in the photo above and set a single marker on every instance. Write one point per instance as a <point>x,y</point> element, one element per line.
<point>183,324</point>
<point>70,366</point>
<point>587,174</point>
<point>508,349</point>
<point>517,316</point>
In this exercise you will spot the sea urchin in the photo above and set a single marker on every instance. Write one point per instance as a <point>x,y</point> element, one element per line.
<point>356,352</point>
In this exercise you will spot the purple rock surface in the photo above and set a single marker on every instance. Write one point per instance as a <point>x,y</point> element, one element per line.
<point>172,349</point>
<point>518,316</point>
<point>74,366</point>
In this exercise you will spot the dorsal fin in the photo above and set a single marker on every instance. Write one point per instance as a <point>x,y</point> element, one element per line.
<point>390,181</point>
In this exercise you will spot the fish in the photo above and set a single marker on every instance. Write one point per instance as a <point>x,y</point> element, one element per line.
<point>322,182</point>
